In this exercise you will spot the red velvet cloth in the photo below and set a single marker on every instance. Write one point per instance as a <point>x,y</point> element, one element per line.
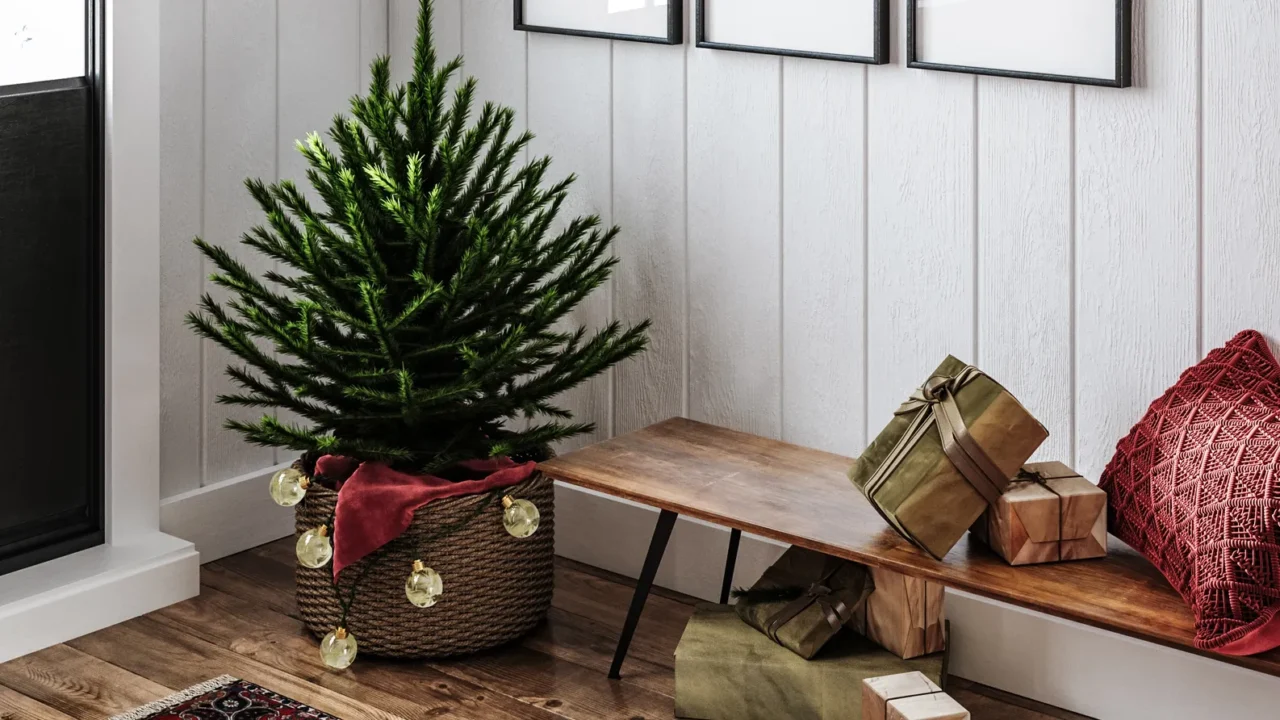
<point>376,503</point>
<point>1195,487</point>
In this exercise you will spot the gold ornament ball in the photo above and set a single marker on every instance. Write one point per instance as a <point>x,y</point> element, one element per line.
<point>338,649</point>
<point>520,517</point>
<point>289,486</point>
<point>314,549</point>
<point>424,586</point>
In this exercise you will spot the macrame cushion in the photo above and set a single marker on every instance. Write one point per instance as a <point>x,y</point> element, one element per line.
<point>1195,488</point>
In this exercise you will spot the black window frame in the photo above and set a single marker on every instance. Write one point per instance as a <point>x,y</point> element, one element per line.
<point>81,528</point>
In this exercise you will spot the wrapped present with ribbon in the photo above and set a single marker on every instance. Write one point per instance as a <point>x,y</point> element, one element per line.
<point>1049,514</point>
<point>804,598</point>
<point>950,451</point>
<point>725,670</point>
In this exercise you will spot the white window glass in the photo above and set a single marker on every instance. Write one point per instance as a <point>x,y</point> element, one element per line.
<point>41,40</point>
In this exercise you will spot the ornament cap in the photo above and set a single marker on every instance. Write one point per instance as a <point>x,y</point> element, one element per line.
<point>418,566</point>
<point>340,633</point>
<point>507,501</point>
<point>322,531</point>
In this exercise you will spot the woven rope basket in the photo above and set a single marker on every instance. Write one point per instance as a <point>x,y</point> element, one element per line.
<point>496,587</point>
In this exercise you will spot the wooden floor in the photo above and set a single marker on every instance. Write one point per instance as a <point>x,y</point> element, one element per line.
<point>243,624</point>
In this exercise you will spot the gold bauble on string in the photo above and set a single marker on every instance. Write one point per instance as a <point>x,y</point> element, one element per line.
<point>338,649</point>
<point>520,517</point>
<point>289,486</point>
<point>314,548</point>
<point>424,586</point>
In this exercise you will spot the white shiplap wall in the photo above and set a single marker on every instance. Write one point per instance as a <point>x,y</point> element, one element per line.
<point>810,238</point>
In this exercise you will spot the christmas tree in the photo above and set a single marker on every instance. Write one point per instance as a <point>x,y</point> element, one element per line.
<point>420,317</point>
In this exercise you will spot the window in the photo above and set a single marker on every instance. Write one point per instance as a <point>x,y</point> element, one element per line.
<point>51,301</point>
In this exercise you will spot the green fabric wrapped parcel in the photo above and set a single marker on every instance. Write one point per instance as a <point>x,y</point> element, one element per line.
<point>930,490</point>
<point>816,595</point>
<point>726,670</point>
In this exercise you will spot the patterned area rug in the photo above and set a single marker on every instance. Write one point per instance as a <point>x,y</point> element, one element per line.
<point>226,698</point>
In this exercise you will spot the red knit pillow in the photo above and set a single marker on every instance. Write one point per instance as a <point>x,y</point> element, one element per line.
<point>1195,487</point>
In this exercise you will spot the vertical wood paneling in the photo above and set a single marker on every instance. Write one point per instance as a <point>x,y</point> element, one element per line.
<point>181,271</point>
<point>649,205</point>
<point>374,26</point>
<point>1137,228</point>
<point>920,229</point>
<point>570,113</point>
<point>497,54</point>
<point>240,141</point>
<point>734,272</point>
<point>823,242</point>
<point>320,62</point>
<point>1025,248</point>
<point>1242,169</point>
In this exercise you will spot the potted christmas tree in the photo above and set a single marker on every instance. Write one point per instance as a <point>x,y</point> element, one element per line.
<point>411,348</point>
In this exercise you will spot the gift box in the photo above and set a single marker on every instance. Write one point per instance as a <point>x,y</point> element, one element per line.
<point>804,599</point>
<point>727,670</point>
<point>1049,514</point>
<point>903,615</point>
<point>908,696</point>
<point>949,452</point>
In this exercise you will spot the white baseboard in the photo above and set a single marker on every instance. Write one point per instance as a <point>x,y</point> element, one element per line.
<point>227,517</point>
<point>96,588</point>
<point>1065,664</point>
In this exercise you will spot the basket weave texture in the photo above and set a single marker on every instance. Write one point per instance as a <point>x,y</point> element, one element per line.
<point>496,587</point>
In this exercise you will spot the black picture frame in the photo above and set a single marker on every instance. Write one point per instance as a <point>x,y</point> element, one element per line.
<point>1124,55</point>
<point>675,27</point>
<point>880,56</point>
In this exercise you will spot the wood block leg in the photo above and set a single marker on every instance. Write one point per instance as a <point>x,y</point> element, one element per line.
<point>731,560</point>
<point>657,546</point>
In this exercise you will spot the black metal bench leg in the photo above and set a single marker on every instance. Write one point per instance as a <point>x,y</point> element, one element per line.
<point>657,546</point>
<point>730,561</point>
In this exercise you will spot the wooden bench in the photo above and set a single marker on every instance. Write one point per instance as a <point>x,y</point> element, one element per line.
<point>802,496</point>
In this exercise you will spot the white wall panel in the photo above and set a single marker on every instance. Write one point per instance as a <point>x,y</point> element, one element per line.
<point>920,230</point>
<point>734,272</point>
<point>181,213</point>
<point>824,234</point>
<point>649,205</point>
<point>1025,207</point>
<point>1241,170</point>
<point>570,113</point>
<point>374,40</point>
<point>240,141</point>
<point>1137,194</point>
<point>496,54</point>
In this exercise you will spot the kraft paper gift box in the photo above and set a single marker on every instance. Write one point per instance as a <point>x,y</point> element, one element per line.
<point>908,696</point>
<point>1049,514</point>
<point>949,452</point>
<point>904,615</point>
<point>727,670</point>
<point>804,599</point>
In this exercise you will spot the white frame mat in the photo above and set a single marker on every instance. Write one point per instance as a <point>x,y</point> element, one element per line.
<point>843,30</point>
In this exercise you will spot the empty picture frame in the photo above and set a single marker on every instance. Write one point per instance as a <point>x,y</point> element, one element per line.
<point>1087,42</point>
<point>651,21</point>
<point>845,30</point>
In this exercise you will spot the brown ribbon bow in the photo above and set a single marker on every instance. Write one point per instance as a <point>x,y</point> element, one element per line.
<point>836,614</point>
<point>935,403</point>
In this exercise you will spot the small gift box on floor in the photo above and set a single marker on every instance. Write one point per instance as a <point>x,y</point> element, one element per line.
<point>1049,514</point>
<point>908,696</point>
<point>727,670</point>
<point>903,615</point>
<point>949,452</point>
<point>804,599</point>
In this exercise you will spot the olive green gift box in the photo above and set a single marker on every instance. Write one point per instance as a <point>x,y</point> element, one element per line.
<point>817,595</point>
<point>727,670</point>
<point>949,452</point>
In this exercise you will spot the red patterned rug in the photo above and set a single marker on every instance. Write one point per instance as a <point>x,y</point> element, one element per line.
<point>226,698</point>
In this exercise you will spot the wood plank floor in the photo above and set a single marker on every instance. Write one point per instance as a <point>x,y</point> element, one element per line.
<point>244,624</point>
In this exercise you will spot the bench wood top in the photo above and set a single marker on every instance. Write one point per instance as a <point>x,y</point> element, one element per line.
<point>802,496</point>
